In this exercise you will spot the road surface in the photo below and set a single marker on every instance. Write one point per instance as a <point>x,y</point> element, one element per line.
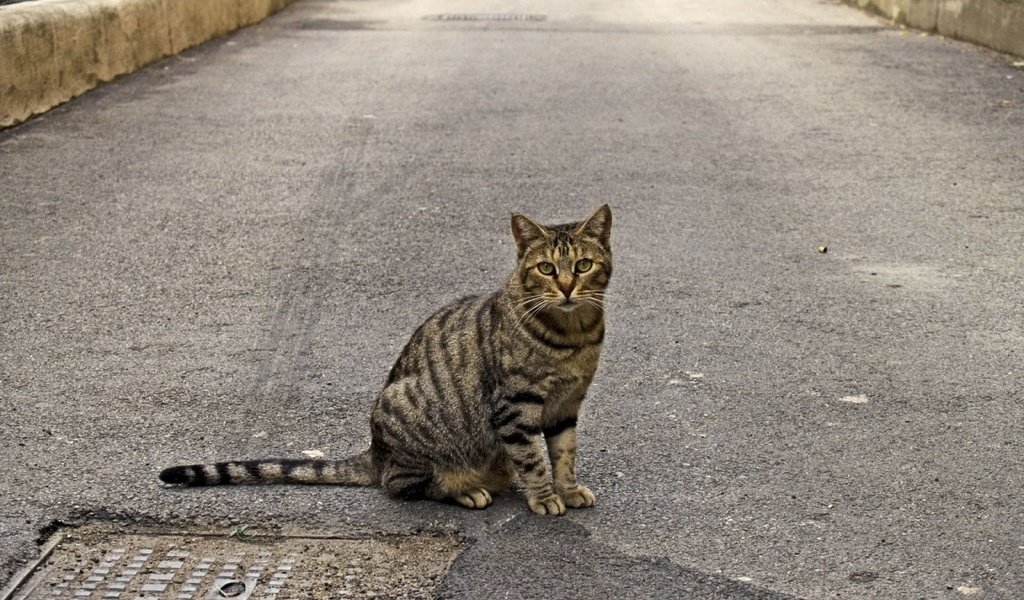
<point>220,257</point>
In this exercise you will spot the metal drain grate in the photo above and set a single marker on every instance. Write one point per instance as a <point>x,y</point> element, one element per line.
<point>152,570</point>
<point>99,566</point>
<point>486,17</point>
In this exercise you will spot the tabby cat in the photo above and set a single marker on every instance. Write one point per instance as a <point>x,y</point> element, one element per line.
<point>480,388</point>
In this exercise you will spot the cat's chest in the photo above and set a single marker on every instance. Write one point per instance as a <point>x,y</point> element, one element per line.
<point>570,375</point>
<point>551,370</point>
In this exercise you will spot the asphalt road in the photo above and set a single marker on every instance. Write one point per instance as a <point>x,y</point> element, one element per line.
<point>220,256</point>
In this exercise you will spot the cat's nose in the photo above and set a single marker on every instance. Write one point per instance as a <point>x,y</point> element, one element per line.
<point>566,288</point>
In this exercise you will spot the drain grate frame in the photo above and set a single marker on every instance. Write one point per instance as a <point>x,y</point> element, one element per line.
<point>95,565</point>
<point>486,17</point>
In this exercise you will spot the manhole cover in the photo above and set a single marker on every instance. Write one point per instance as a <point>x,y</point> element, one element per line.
<point>486,17</point>
<point>102,566</point>
<point>329,25</point>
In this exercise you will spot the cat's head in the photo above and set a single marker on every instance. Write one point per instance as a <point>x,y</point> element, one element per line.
<point>563,266</point>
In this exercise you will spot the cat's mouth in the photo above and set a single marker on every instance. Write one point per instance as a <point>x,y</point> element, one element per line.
<point>567,305</point>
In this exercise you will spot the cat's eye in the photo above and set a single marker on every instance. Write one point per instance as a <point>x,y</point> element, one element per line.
<point>546,268</point>
<point>584,265</point>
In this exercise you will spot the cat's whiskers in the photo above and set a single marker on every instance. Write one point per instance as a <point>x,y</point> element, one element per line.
<point>529,303</point>
<point>593,298</point>
<point>521,320</point>
<point>530,307</point>
<point>528,299</point>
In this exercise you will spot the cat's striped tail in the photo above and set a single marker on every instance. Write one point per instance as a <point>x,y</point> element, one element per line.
<point>356,470</point>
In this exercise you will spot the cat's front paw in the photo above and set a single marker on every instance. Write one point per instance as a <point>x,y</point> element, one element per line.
<point>547,505</point>
<point>578,496</point>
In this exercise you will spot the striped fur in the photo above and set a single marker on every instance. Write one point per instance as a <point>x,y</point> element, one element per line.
<point>482,389</point>
<point>357,470</point>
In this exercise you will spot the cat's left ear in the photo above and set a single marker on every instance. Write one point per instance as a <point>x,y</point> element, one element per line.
<point>526,232</point>
<point>598,226</point>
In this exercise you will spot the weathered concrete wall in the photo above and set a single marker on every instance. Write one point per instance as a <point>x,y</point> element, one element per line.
<point>54,50</point>
<point>998,24</point>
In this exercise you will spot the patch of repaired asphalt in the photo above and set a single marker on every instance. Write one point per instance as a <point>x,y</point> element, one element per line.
<point>530,557</point>
<point>526,557</point>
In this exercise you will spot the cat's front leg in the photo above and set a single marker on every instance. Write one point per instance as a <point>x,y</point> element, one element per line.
<point>516,421</point>
<point>561,439</point>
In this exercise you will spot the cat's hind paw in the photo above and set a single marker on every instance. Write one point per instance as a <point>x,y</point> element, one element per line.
<point>475,498</point>
<point>578,497</point>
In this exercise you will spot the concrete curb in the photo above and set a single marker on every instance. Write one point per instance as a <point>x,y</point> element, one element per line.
<point>997,24</point>
<point>54,50</point>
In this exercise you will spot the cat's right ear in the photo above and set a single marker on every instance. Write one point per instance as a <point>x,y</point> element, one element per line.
<point>598,226</point>
<point>525,232</point>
